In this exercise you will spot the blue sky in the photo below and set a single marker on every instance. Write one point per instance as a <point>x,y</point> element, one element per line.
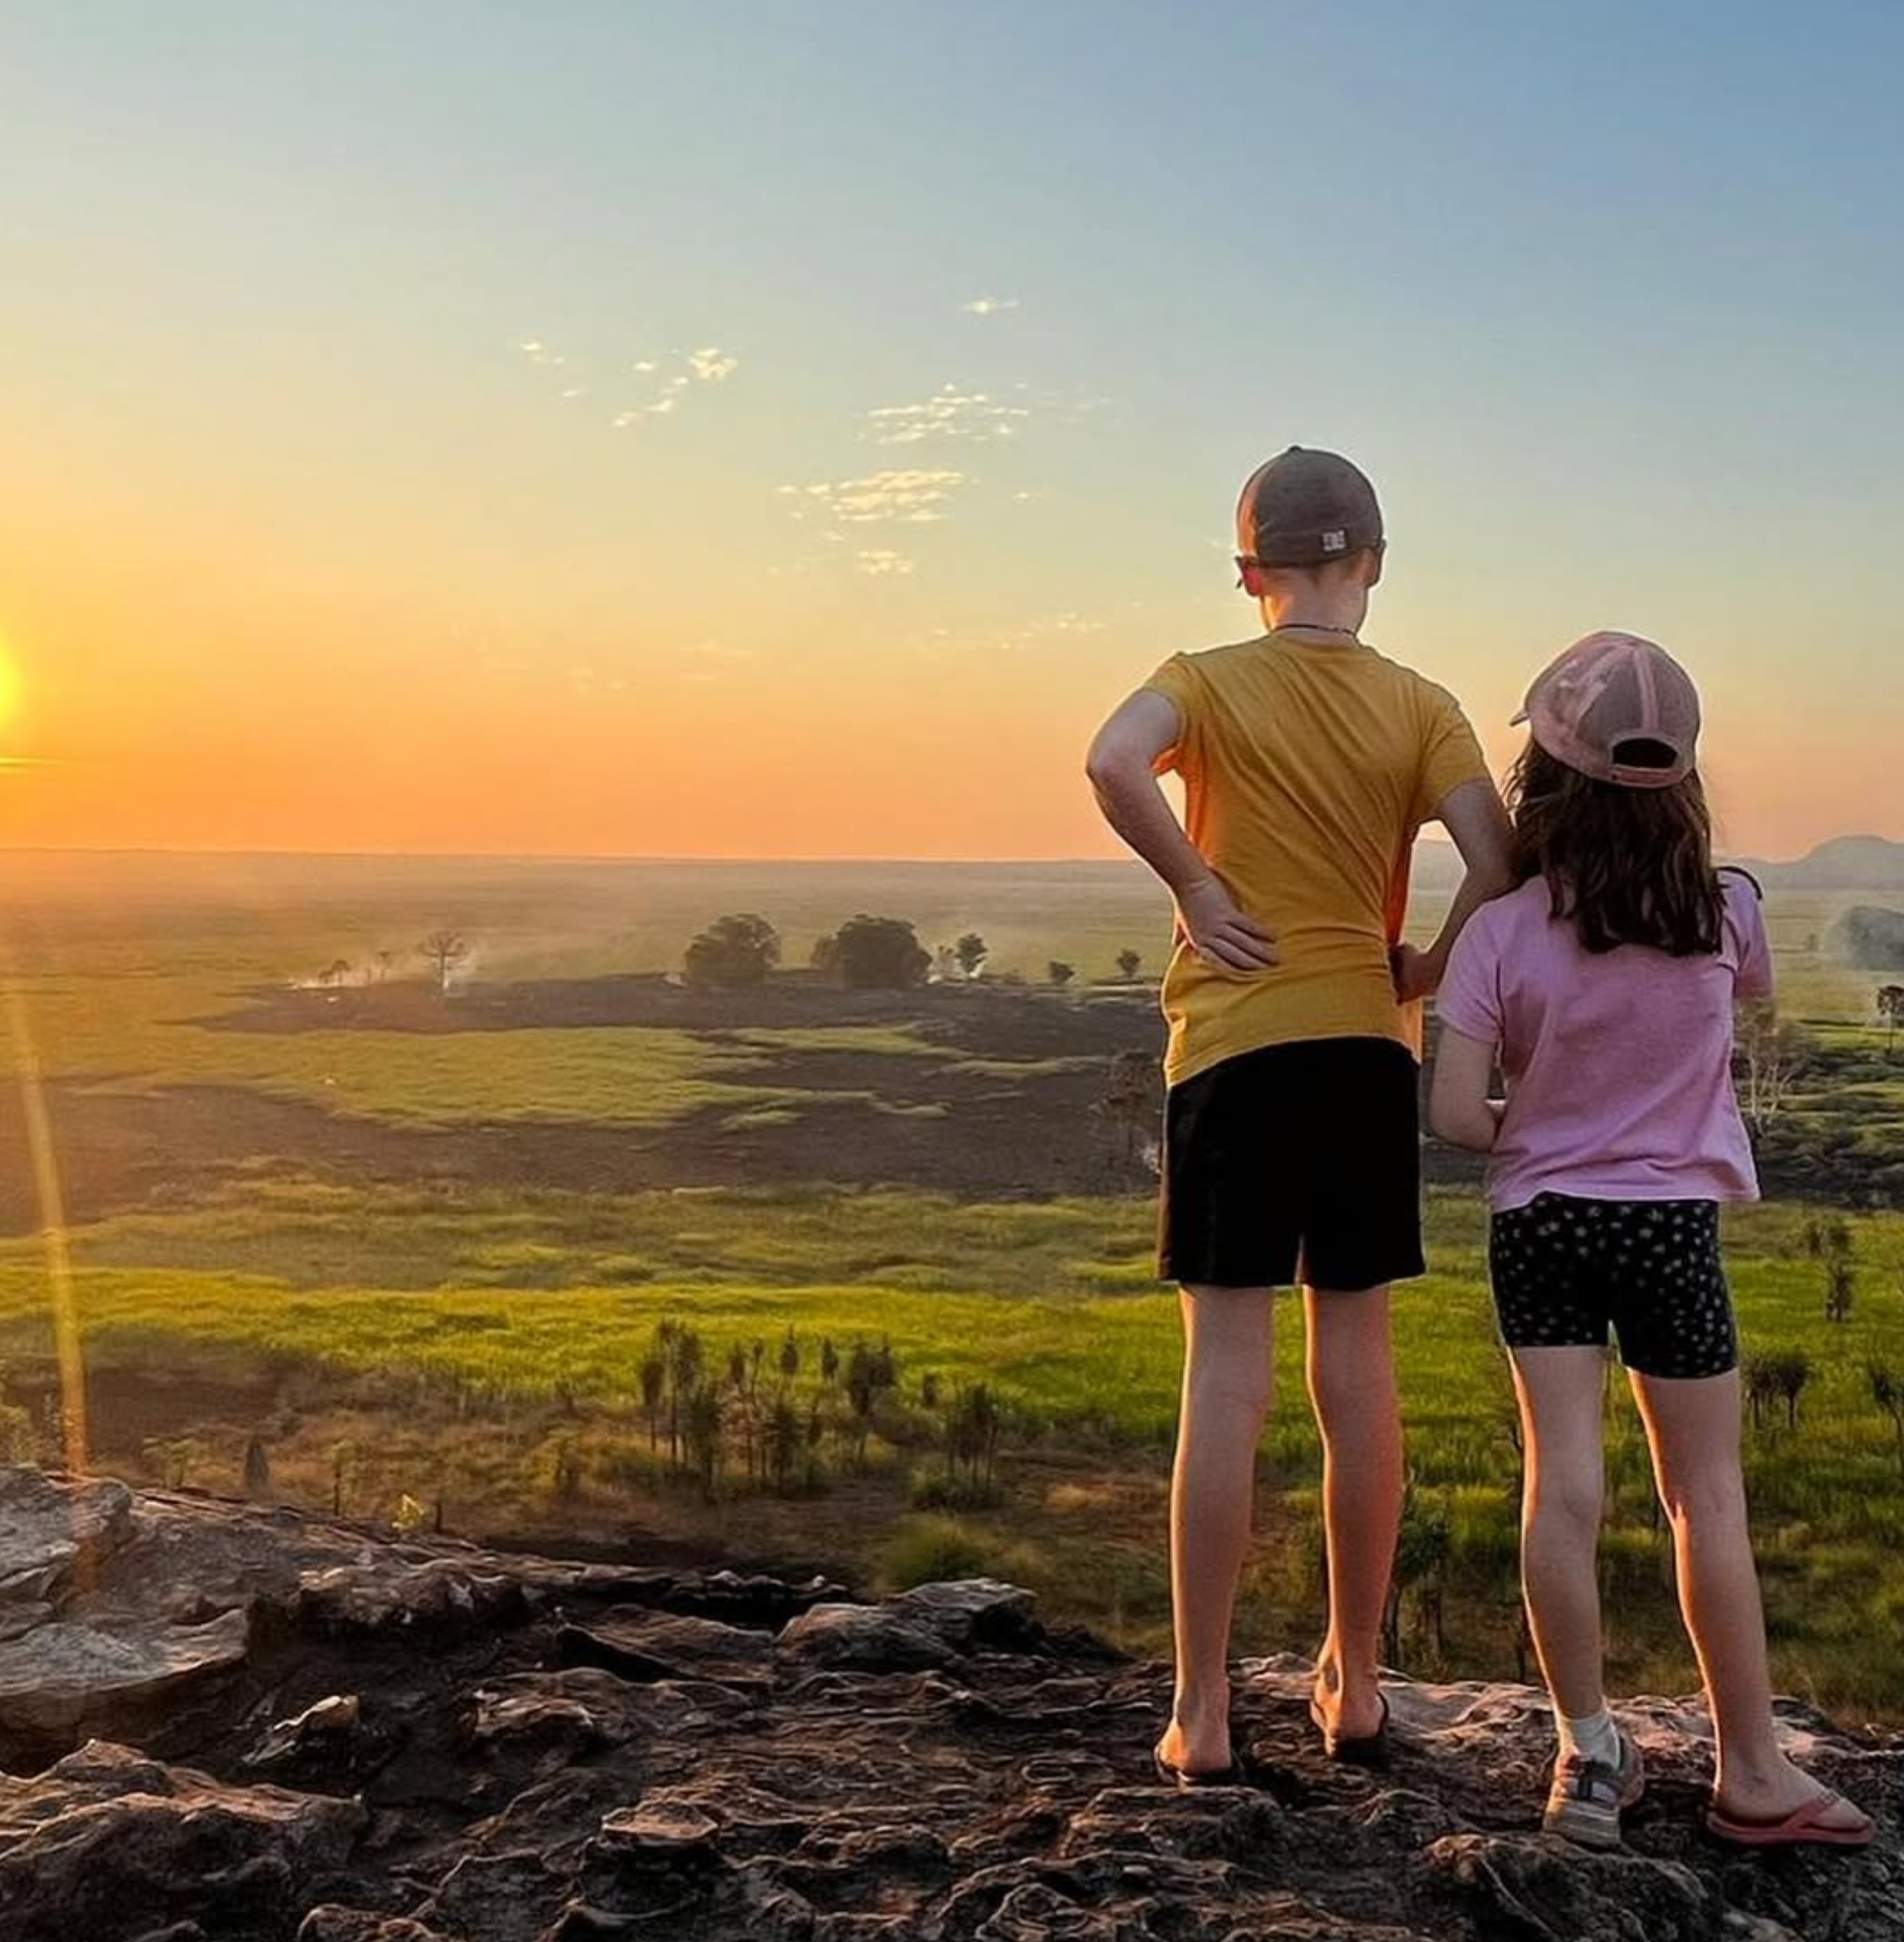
<point>1604,297</point>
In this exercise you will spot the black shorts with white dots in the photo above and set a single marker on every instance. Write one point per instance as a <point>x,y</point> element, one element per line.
<point>1566,1270</point>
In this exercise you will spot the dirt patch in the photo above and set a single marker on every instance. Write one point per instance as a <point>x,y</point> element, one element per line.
<point>1002,1104</point>
<point>1005,1104</point>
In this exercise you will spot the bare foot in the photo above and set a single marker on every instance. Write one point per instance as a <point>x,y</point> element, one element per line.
<point>1350,1711</point>
<point>1197,1740</point>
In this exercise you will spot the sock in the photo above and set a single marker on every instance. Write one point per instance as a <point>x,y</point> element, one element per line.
<point>1594,1738</point>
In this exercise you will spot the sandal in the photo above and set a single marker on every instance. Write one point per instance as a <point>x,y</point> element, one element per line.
<point>1366,1749</point>
<point>1186,1781</point>
<point>1803,1828</point>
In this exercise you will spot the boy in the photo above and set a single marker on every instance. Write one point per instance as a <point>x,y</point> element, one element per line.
<point>1291,1145</point>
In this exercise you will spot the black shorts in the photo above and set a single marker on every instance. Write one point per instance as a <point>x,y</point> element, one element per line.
<point>1565,1271</point>
<point>1296,1163</point>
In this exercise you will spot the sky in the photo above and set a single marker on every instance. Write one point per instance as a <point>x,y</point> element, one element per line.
<point>658,429</point>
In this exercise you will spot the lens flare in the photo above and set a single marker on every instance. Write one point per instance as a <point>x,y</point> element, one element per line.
<point>52,1232</point>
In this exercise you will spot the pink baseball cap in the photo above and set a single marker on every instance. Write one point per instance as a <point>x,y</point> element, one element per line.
<point>1619,709</point>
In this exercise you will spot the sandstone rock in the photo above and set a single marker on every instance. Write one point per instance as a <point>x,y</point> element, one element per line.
<point>971,1612</point>
<point>53,1529</point>
<point>866,1637</point>
<point>646,1645</point>
<point>668,1835</point>
<point>936,1768</point>
<point>105,1844</point>
<point>332,1924</point>
<point>442,1597</point>
<point>1548,1890</point>
<point>60,1679</point>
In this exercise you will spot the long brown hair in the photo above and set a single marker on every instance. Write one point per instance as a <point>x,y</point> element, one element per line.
<point>1626,865</point>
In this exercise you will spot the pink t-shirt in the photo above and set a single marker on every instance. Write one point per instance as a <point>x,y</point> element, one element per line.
<point>1619,1067</point>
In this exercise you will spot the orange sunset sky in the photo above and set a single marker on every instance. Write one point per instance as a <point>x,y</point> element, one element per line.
<point>629,434</point>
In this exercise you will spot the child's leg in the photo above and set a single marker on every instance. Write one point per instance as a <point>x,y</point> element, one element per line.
<point>1561,1391</point>
<point>1351,1377</point>
<point>1693,1425</point>
<point>1226,1374</point>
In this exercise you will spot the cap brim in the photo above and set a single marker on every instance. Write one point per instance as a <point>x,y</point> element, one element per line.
<point>1516,721</point>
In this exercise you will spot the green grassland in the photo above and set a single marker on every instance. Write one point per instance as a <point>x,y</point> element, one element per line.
<point>480,1345</point>
<point>508,1331</point>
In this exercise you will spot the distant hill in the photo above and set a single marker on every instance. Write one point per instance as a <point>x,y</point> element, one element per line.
<point>1869,863</point>
<point>1844,863</point>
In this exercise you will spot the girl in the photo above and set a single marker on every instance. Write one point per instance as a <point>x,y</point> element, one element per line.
<point>1606,984</point>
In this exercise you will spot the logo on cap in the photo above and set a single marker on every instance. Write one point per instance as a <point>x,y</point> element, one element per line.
<point>1335,542</point>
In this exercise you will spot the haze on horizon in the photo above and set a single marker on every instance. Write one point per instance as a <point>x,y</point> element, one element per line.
<point>754,433</point>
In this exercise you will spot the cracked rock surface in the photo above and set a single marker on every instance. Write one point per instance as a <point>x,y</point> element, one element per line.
<point>222,1723</point>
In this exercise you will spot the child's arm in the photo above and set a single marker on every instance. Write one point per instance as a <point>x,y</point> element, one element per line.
<point>1123,768</point>
<point>1459,1109</point>
<point>1474,816</point>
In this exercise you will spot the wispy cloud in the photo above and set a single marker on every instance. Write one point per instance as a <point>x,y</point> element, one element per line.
<point>663,383</point>
<point>989,306</point>
<point>973,417</point>
<point>1037,633</point>
<point>906,498</point>
<point>878,564</point>
<point>710,659</point>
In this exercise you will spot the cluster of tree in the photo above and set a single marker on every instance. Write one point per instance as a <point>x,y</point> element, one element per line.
<point>866,953</point>
<point>733,952</point>
<point>775,1417</point>
<point>873,954</point>
<point>750,1407</point>
<point>1774,1375</point>
<point>443,950</point>
<point>1872,938</point>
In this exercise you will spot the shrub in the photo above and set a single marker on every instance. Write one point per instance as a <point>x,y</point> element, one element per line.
<point>927,1551</point>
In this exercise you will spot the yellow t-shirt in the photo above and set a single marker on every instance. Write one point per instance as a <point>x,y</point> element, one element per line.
<point>1309,763</point>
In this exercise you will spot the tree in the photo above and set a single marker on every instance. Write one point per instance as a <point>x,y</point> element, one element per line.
<point>1887,1392</point>
<point>1829,1242</point>
<point>705,1436</point>
<point>1792,1370</point>
<point>1841,1288</point>
<point>654,1385</point>
<point>971,951</point>
<point>1133,1098</point>
<point>1760,1383</point>
<point>782,1439</point>
<point>1890,1008</point>
<point>443,950</point>
<point>972,1427</point>
<point>790,1356</point>
<point>337,972</point>
<point>1778,1375</point>
<point>1423,1547</point>
<point>734,952</point>
<point>1060,973</point>
<point>1128,962</point>
<point>873,954</point>
<point>384,960</point>
<point>257,1468</point>
<point>1771,1052</point>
